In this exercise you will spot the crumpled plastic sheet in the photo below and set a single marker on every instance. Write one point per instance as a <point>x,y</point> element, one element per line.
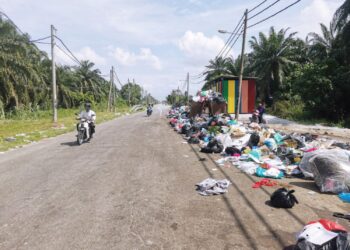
<point>336,153</point>
<point>331,171</point>
<point>212,187</point>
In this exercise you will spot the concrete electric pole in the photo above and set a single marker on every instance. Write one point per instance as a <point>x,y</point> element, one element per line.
<point>188,88</point>
<point>242,65</point>
<point>54,92</point>
<point>110,90</point>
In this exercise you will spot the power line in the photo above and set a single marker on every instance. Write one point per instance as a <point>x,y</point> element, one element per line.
<point>257,6</point>
<point>229,39</point>
<point>116,76</point>
<point>64,45</point>
<point>40,39</point>
<point>42,42</point>
<point>72,58</point>
<point>263,20</point>
<point>235,33</point>
<point>228,51</point>
<point>20,31</point>
<point>8,18</point>
<point>268,7</point>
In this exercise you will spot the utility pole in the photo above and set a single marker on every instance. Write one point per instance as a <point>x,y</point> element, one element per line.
<point>188,88</point>
<point>129,91</point>
<point>110,90</point>
<point>242,65</point>
<point>54,94</point>
<point>115,93</point>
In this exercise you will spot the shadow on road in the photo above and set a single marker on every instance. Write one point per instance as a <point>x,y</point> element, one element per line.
<point>250,238</point>
<point>71,144</point>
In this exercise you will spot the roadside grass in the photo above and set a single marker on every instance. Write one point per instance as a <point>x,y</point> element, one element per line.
<point>294,111</point>
<point>17,132</point>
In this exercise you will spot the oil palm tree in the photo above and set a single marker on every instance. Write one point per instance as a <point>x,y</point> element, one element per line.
<point>272,57</point>
<point>341,16</point>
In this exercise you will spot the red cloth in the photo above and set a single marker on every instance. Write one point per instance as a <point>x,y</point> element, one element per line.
<point>264,182</point>
<point>329,225</point>
<point>311,150</point>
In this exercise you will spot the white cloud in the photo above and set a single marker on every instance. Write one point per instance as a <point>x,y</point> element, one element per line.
<point>197,45</point>
<point>318,11</point>
<point>86,53</point>
<point>145,55</point>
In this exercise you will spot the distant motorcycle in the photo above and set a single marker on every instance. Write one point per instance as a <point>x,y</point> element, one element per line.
<point>84,133</point>
<point>149,112</point>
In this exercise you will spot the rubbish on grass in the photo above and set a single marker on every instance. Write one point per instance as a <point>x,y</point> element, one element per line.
<point>212,187</point>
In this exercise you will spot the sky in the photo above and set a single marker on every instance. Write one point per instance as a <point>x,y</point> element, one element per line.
<point>156,42</point>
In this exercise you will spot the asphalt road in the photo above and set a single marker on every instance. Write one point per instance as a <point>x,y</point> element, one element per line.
<point>132,187</point>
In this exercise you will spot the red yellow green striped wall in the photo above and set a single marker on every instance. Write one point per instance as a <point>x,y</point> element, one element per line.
<point>229,90</point>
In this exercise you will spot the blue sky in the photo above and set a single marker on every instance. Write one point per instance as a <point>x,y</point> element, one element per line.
<point>156,42</point>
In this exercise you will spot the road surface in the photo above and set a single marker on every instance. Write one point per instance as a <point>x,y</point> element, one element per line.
<point>132,187</point>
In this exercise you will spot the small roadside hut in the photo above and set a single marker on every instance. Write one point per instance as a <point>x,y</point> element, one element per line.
<point>228,86</point>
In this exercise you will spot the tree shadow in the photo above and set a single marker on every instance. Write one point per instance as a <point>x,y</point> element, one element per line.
<point>70,144</point>
<point>310,185</point>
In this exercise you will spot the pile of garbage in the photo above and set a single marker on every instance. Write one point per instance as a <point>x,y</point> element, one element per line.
<point>259,150</point>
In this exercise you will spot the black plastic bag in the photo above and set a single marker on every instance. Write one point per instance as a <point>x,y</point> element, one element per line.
<point>282,198</point>
<point>254,140</point>
<point>232,150</point>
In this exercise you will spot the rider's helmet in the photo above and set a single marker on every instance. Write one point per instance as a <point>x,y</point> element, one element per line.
<point>87,105</point>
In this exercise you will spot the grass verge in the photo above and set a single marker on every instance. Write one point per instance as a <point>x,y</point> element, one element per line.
<point>15,133</point>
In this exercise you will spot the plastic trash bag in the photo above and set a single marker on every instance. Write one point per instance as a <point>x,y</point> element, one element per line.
<point>248,167</point>
<point>282,198</point>
<point>271,144</point>
<point>323,235</point>
<point>331,172</point>
<point>269,173</point>
<point>345,197</point>
<point>305,165</point>
<point>254,140</point>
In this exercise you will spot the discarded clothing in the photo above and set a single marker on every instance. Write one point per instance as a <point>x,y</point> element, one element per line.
<point>212,187</point>
<point>264,182</point>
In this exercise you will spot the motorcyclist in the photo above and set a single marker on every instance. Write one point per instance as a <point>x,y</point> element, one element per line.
<point>149,109</point>
<point>89,115</point>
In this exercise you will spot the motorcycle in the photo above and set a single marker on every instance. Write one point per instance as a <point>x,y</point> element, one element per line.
<point>84,133</point>
<point>149,112</point>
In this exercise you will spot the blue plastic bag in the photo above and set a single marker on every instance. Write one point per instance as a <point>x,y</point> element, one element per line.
<point>345,197</point>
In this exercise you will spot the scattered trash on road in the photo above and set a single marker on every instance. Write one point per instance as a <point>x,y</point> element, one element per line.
<point>212,187</point>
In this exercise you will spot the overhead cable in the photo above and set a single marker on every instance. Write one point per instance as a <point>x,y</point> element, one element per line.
<point>257,6</point>
<point>268,7</point>
<point>70,52</point>
<point>40,39</point>
<point>263,20</point>
<point>67,54</point>
<point>8,18</point>
<point>228,51</point>
<point>235,36</point>
<point>232,35</point>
